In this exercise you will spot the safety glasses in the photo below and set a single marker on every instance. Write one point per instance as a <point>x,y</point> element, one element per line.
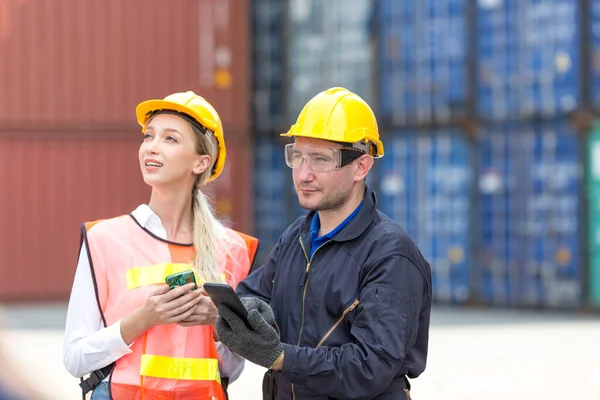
<point>319,159</point>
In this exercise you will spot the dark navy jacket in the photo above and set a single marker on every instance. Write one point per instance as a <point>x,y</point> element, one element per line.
<point>354,319</point>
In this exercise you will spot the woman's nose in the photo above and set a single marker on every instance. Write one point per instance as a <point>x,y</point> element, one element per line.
<point>152,146</point>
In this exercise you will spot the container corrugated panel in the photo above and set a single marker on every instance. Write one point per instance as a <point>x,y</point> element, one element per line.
<point>268,51</point>
<point>595,50</point>
<point>329,45</point>
<point>423,50</point>
<point>59,180</point>
<point>529,184</point>
<point>78,62</point>
<point>425,183</point>
<point>528,53</point>
<point>275,201</point>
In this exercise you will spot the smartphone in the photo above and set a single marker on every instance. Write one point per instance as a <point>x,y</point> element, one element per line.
<point>180,279</point>
<point>221,293</point>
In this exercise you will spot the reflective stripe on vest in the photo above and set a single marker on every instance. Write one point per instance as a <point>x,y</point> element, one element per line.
<point>197,369</point>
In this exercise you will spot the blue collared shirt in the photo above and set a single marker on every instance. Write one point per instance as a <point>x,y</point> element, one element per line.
<point>317,241</point>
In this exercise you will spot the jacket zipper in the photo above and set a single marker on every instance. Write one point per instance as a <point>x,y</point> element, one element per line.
<point>339,321</point>
<point>304,282</point>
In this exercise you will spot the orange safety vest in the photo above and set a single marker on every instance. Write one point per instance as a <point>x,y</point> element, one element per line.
<point>168,361</point>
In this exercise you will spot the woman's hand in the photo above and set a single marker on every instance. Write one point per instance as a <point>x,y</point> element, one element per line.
<point>166,306</point>
<point>163,307</point>
<point>205,313</point>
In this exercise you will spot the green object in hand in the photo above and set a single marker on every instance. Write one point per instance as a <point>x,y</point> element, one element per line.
<point>180,279</point>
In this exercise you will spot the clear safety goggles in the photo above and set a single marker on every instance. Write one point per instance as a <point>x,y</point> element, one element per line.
<point>319,159</point>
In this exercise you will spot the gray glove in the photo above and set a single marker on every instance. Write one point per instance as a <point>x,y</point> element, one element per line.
<point>254,303</point>
<point>260,345</point>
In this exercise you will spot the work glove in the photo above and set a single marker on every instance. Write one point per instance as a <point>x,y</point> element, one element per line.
<point>260,345</point>
<point>254,303</point>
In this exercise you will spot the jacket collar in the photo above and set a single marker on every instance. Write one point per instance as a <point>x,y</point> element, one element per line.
<point>356,226</point>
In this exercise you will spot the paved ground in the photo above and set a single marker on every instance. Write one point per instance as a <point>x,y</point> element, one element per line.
<point>485,354</point>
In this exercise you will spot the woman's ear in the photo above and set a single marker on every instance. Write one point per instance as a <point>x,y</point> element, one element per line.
<point>202,163</point>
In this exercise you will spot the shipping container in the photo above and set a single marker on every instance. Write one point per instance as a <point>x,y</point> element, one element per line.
<point>528,53</point>
<point>275,201</point>
<point>425,187</point>
<point>56,180</point>
<point>422,60</point>
<point>70,64</point>
<point>529,184</point>
<point>329,45</point>
<point>268,65</point>
<point>593,201</point>
<point>594,18</point>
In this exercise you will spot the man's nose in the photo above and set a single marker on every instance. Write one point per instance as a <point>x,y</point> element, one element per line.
<point>304,171</point>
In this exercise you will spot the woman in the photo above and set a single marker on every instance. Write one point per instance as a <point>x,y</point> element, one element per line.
<point>162,341</point>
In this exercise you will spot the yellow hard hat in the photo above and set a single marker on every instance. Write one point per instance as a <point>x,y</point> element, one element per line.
<point>338,115</point>
<point>195,107</point>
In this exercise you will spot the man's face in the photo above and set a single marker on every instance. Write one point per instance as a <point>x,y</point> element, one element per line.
<point>320,191</point>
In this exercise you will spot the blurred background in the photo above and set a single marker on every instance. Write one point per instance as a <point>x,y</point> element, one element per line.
<point>487,110</point>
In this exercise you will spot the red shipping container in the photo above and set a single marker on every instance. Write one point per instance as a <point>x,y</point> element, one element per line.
<point>73,64</point>
<point>54,181</point>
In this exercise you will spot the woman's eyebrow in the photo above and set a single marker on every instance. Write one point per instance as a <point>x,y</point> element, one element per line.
<point>172,130</point>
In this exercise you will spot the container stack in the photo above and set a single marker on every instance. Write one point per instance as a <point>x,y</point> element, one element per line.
<point>72,75</point>
<point>427,170</point>
<point>483,166</point>
<point>530,180</point>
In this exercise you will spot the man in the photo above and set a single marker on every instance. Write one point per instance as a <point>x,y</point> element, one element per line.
<point>349,291</point>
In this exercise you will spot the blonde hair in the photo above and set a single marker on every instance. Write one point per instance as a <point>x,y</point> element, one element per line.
<point>208,230</point>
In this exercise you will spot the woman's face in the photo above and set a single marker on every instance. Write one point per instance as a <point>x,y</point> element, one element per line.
<point>168,156</point>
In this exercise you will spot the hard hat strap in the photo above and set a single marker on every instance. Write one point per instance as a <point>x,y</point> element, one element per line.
<point>365,147</point>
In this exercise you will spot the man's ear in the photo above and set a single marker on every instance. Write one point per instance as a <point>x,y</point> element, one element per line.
<point>363,165</point>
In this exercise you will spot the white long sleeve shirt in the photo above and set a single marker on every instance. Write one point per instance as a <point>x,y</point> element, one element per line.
<point>88,345</point>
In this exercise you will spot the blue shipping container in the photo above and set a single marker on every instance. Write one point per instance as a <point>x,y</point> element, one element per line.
<point>529,185</point>
<point>268,47</point>
<point>422,57</point>
<point>275,202</point>
<point>595,50</point>
<point>329,45</point>
<point>528,53</point>
<point>425,184</point>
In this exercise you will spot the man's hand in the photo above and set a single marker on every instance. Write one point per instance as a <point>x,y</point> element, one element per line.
<point>254,303</point>
<point>260,345</point>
